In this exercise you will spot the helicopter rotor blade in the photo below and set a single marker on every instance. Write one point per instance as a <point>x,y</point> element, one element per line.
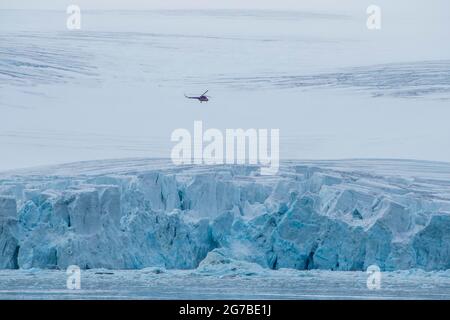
<point>205,92</point>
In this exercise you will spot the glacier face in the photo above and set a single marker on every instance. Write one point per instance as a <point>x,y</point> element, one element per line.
<point>138,213</point>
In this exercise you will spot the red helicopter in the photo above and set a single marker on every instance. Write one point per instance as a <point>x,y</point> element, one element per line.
<point>201,98</point>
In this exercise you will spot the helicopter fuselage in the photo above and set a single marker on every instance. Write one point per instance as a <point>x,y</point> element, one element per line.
<point>202,98</point>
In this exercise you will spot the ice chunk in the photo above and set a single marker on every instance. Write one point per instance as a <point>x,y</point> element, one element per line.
<point>9,244</point>
<point>8,207</point>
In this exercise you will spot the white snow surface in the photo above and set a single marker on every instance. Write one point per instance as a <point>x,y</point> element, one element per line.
<point>147,213</point>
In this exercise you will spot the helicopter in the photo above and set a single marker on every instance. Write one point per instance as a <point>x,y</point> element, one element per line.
<point>201,98</point>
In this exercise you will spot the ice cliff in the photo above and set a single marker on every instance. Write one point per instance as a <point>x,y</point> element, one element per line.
<point>137,213</point>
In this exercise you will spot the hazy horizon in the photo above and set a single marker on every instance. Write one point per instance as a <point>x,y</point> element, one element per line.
<point>328,5</point>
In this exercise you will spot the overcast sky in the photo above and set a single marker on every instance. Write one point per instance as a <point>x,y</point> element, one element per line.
<point>171,4</point>
<point>437,11</point>
<point>214,4</point>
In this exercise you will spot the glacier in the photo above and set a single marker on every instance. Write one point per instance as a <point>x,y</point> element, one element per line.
<point>147,213</point>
